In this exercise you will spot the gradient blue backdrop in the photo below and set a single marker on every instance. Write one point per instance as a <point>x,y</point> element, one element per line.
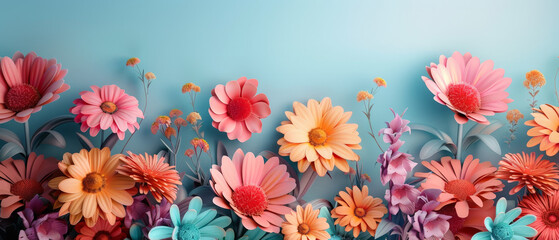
<point>296,49</point>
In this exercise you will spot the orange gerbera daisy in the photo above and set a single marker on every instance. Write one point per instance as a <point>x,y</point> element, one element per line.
<point>318,135</point>
<point>466,185</point>
<point>546,210</point>
<point>545,129</point>
<point>305,224</point>
<point>153,174</point>
<point>529,171</point>
<point>358,211</point>
<point>91,187</point>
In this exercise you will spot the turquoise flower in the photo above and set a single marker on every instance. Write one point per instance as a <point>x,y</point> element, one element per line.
<point>502,229</point>
<point>336,232</point>
<point>195,225</point>
<point>255,234</point>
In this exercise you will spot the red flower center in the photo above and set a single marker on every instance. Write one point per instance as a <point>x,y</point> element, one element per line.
<point>461,189</point>
<point>550,218</point>
<point>26,189</point>
<point>303,228</point>
<point>109,107</point>
<point>93,182</point>
<point>360,212</point>
<point>102,235</point>
<point>21,97</point>
<point>239,108</point>
<point>250,200</point>
<point>317,137</point>
<point>464,97</point>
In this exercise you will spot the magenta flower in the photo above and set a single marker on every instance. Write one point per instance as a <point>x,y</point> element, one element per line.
<point>107,107</point>
<point>149,214</point>
<point>236,109</point>
<point>48,226</point>
<point>395,165</point>
<point>402,197</point>
<point>395,128</point>
<point>426,223</point>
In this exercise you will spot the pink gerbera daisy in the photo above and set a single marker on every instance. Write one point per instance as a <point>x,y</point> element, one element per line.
<point>107,107</point>
<point>471,89</point>
<point>27,83</point>
<point>236,109</point>
<point>254,190</point>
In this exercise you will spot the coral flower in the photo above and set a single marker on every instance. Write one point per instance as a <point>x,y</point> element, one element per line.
<point>318,135</point>
<point>153,174</point>
<point>20,183</point>
<point>236,109</point>
<point>530,172</point>
<point>132,61</point>
<point>193,117</point>
<point>466,228</point>
<point>101,230</point>
<point>513,116</point>
<point>472,90</point>
<point>546,210</point>
<point>150,76</point>
<point>380,82</point>
<point>91,187</point>
<point>107,107</point>
<point>27,83</point>
<point>545,131</point>
<point>358,211</point>
<point>534,79</point>
<point>466,185</point>
<point>254,190</point>
<point>364,95</point>
<point>305,224</point>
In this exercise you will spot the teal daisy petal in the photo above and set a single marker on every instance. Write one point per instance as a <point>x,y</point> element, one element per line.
<point>222,222</point>
<point>523,221</point>
<point>501,206</point>
<point>205,217</point>
<point>160,232</point>
<point>176,233</point>
<point>518,238</point>
<point>136,232</point>
<point>324,213</point>
<point>196,204</point>
<point>499,218</point>
<point>488,223</point>
<point>229,234</point>
<point>511,215</point>
<point>482,236</point>
<point>175,215</point>
<point>189,217</point>
<point>524,231</point>
<point>208,238</point>
<point>212,231</point>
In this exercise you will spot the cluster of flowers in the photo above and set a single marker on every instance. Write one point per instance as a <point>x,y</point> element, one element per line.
<point>94,193</point>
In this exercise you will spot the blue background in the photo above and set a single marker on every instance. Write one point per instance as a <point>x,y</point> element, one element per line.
<point>296,49</point>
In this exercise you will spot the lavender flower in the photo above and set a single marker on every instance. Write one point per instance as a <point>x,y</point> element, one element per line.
<point>395,128</point>
<point>402,197</point>
<point>427,223</point>
<point>395,165</point>
<point>47,226</point>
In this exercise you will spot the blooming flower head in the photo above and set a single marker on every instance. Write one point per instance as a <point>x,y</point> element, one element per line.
<point>305,224</point>
<point>364,95</point>
<point>256,191</point>
<point>27,83</point>
<point>380,82</point>
<point>150,213</point>
<point>395,165</point>
<point>21,182</point>
<point>153,175</point>
<point>47,226</point>
<point>534,79</point>
<point>395,128</point>
<point>358,211</point>
<point>545,131</point>
<point>101,230</point>
<point>402,197</point>
<point>472,90</point>
<point>366,177</point>
<point>427,223</point>
<point>175,113</point>
<point>189,152</point>
<point>337,232</point>
<point>200,143</point>
<point>150,76</point>
<point>237,110</point>
<point>513,116</point>
<point>163,120</point>
<point>190,87</point>
<point>318,135</point>
<point>465,185</point>
<point>91,187</point>
<point>193,117</point>
<point>195,224</point>
<point>504,228</point>
<point>529,172</point>
<point>546,209</point>
<point>132,61</point>
<point>466,228</point>
<point>107,107</point>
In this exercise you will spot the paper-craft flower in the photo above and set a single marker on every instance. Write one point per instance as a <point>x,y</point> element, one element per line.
<point>236,109</point>
<point>465,228</point>
<point>466,185</point>
<point>513,116</point>
<point>402,197</point>
<point>336,231</point>
<point>534,79</point>
<point>37,227</point>
<point>472,90</point>
<point>530,172</point>
<point>395,165</point>
<point>545,131</point>
<point>395,128</point>
<point>358,211</point>
<point>107,107</point>
<point>546,209</point>
<point>27,83</point>
<point>318,135</point>
<point>195,224</point>
<point>305,224</point>
<point>153,175</point>
<point>20,183</point>
<point>426,222</point>
<point>504,228</point>
<point>256,191</point>
<point>131,62</point>
<point>102,230</point>
<point>91,187</point>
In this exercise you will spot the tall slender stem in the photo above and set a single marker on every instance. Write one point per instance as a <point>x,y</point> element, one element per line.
<point>27,138</point>
<point>459,142</point>
<point>102,138</point>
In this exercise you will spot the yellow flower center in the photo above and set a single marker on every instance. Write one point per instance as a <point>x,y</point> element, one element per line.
<point>360,212</point>
<point>109,107</point>
<point>93,182</point>
<point>461,189</point>
<point>317,136</point>
<point>303,228</point>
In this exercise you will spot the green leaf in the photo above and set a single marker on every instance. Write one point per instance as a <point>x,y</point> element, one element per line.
<point>489,141</point>
<point>53,138</point>
<point>384,227</point>
<point>435,132</point>
<point>9,150</point>
<point>9,136</point>
<point>110,141</point>
<point>84,141</point>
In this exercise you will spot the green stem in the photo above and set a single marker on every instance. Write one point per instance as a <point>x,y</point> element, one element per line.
<point>27,138</point>
<point>459,142</point>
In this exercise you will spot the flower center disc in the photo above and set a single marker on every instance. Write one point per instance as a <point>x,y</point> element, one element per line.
<point>502,232</point>
<point>360,212</point>
<point>188,232</point>
<point>550,218</point>
<point>26,189</point>
<point>102,235</point>
<point>317,136</point>
<point>21,97</point>
<point>303,228</point>
<point>464,97</point>
<point>93,182</point>
<point>239,109</point>
<point>461,189</point>
<point>250,200</point>
<point>108,107</point>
